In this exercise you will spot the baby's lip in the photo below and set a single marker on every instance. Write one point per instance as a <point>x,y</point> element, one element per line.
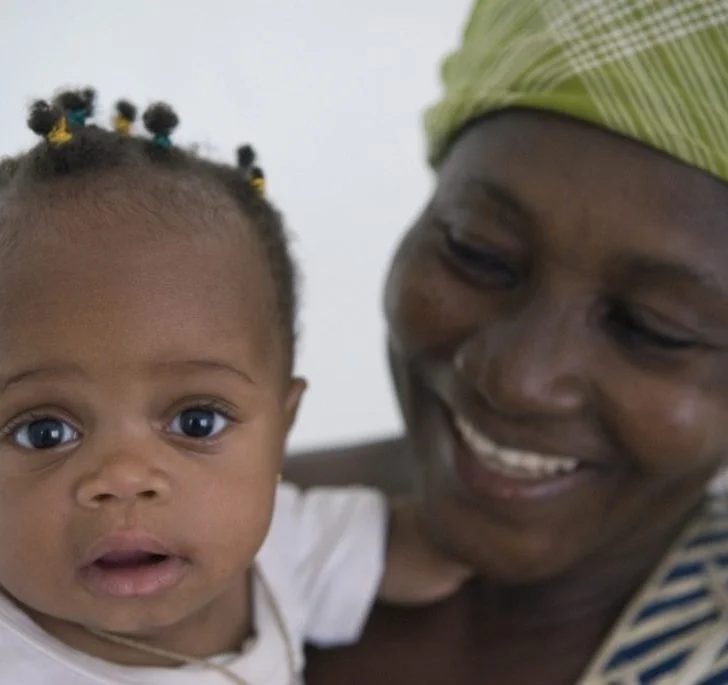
<point>126,543</point>
<point>131,564</point>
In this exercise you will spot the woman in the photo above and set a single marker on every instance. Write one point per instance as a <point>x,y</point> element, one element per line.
<point>558,332</point>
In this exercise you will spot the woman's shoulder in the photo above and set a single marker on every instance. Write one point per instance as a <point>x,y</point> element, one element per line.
<point>674,625</point>
<point>383,464</point>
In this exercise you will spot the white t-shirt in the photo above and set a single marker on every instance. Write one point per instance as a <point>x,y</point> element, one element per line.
<point>322,560</point>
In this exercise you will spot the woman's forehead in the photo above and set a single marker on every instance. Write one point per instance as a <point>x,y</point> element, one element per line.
<point>550,162</point>
<point>567,145</point>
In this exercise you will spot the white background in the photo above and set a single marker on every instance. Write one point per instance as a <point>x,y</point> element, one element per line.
<point>330,92</point>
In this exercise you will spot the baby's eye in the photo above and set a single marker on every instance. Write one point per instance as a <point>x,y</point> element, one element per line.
<point>198,422</point>
<point>44,434</point>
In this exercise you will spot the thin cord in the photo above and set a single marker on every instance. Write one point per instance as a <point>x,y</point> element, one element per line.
<point>205,663</point>
<point>168,654</point>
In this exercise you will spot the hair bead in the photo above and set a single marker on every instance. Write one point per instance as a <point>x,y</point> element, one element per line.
<point>125,116</point>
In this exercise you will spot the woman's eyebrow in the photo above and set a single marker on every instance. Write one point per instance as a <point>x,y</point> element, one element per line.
<point>674,271</point>
<point>503,199</point>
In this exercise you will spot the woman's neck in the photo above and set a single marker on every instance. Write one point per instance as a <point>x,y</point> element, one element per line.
<point>601,586</point>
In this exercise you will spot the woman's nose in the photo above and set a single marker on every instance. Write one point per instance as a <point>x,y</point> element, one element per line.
<point>531,365</point>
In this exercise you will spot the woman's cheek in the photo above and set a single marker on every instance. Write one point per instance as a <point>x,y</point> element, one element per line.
<point>428,307</point>
<point>672,429</point>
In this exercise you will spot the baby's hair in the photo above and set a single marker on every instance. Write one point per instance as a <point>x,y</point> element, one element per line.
<point>70,147</point>
<point>161,120</point>
<point>254,174</point>
<point>78,105</point>
<point>48,121</point>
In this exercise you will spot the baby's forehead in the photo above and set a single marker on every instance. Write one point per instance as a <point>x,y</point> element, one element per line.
<point>148,272</point>
<point>115,224</point>
<point>115,214</point>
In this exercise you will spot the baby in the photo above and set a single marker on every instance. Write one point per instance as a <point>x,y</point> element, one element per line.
<point>147,330</point>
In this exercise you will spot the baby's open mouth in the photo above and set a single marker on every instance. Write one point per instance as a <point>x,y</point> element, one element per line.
<point>129,559</point>
<point>131,565</point>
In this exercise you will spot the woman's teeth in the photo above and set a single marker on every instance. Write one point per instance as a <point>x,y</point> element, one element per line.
<point>513,463</point>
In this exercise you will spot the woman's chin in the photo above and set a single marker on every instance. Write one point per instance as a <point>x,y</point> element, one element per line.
<point>499,552</point>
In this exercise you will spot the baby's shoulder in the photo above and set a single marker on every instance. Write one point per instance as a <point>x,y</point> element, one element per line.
<point>308,526</point>
<point>21,661</point>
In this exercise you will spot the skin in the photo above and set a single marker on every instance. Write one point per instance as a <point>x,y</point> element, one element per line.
<point>566,291</point>
<point>114,323</point>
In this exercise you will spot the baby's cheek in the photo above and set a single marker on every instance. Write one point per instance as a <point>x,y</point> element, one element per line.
<point>32,561</point>
<point>236,517</point>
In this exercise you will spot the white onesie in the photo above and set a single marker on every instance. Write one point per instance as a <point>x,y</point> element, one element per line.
<point>322,561</point>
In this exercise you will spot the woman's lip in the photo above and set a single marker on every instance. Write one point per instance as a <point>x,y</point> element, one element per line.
<point>496,484</point>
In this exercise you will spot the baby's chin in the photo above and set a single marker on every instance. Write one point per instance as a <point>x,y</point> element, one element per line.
<point>164,617</point>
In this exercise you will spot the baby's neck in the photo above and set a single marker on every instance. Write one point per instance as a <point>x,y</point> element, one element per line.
<point>220,627</point>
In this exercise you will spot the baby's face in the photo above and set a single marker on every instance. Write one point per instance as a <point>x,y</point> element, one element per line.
<point>144,404</point>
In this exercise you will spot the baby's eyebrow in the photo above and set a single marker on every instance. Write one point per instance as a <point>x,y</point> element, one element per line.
<point>65,370</point>
<point>215,365</point>
<point>48,371</point>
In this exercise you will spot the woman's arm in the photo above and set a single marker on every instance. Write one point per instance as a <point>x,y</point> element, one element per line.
<point>384,465</point>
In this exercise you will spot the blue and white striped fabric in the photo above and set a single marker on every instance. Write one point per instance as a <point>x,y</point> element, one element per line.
<point>676,630</point>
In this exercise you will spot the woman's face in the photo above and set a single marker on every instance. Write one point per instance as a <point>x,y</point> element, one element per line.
<point>559,339</point>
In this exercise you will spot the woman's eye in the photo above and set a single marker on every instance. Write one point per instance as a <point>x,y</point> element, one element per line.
<point>481,262</point>
<point>634,332</point>
<point>44,434</point>
<point>198,423</point>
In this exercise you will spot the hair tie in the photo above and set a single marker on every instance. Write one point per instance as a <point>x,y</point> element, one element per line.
<point>59,134</point>
<point>49,121</point>
<point>162,140</point>
<point>76,118</point>
<point>257,181</point>
<point>161,120</point>
<point>124,118</point>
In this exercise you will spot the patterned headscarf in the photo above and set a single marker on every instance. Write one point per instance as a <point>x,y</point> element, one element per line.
<point>653,70</point>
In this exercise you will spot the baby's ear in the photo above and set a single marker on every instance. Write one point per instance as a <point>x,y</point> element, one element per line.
<point>293,400</point>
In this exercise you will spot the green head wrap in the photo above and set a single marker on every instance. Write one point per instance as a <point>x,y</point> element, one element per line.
<point>652,70</point>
